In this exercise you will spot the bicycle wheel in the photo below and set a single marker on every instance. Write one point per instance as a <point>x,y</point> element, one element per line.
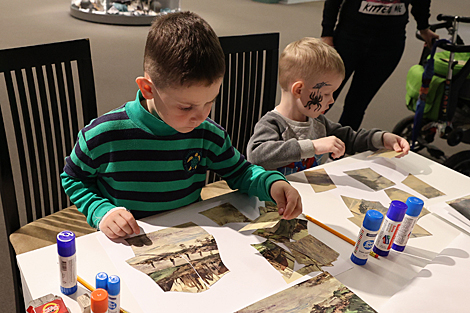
<point>460,162</point>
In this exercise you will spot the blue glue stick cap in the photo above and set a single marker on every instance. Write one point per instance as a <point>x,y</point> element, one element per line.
<point>66,243</point>
<point>101,281</point>
<point>415,205</point>
<point>397,210</point>
<point>114,285</point>
<point>373,220</point>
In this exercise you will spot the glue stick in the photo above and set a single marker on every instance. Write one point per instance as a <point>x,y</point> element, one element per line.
<point>101,281</point>
<point>114,294</point>
<point>67,262</point>
<point>415,205</point>
<point>365,240</point>
<point>389,228</point>
<point>99,301</point>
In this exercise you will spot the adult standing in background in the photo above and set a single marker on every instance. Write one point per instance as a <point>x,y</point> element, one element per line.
<point>370,38</point>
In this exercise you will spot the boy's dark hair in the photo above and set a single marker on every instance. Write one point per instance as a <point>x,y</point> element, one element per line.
<point>183,49</point>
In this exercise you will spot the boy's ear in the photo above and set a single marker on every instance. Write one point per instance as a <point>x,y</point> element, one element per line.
<point>296,88</point>
<point>145,86</point>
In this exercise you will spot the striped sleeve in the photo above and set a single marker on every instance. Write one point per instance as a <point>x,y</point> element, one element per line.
<point>79,182</point>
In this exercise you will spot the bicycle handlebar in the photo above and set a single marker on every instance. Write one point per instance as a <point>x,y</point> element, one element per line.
<point>454,48</point>
<point>463,19</point>
<point>448,19</point>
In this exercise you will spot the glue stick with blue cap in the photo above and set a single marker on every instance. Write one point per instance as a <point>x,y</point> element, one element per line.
<point>67,262</point>
<point>389,228</point>
<point>365,240</point>
<point>415,205</point>
<point>114,294</point>
<point>101,281</point>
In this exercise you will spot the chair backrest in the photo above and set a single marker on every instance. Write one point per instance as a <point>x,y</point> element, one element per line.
<point>249,86</point>
<point>50,93</point>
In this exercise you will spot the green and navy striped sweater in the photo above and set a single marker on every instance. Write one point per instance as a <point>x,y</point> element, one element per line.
<point>131,158</point>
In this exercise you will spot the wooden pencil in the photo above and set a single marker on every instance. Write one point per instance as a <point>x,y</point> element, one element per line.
<point>338,234</point>
<point>331,230</point>
<point>91,288</point>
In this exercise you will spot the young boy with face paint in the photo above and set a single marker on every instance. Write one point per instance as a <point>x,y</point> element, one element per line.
<point>296,135</point>
<point>152,154</point>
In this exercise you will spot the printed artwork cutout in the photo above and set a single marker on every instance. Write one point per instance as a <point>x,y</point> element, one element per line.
<point>384,153</point>
<point>180,258</point>
<point>268,220</point>
<point>462,205</point>
<point>421,187</point>
<point>319,180</point>
<point>359,207</point>
<point>282,260</point>
<point>315,249</point>
<point>370,178</point>
<point>398,194</point>
<point>224,214</point>
<point>323,293</point>
<point>285,230</point>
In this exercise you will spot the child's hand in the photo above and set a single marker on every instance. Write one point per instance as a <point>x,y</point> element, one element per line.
<point>330,144</point>
<point>396,143</point>
<point>119,223</point>
<point>288,200</point>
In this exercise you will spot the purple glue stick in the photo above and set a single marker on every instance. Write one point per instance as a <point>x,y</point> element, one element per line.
<point>67,262</point>
<point>390,227</point>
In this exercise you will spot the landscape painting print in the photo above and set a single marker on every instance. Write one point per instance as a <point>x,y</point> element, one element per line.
<point>370,178</point>
<point>421,187</point>
<point>224,214</point>
<point>180,258</point>
<point>319,180</point>
<point>323,293</point>
<point>462,205</point>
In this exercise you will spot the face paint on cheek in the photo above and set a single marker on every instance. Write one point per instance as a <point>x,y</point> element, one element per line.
<point>316,97</point>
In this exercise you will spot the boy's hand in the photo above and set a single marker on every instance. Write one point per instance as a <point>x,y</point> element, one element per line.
<point>330,144</point>
<point>119,223</point>
<point>396,143</point>
<point>288,200</point>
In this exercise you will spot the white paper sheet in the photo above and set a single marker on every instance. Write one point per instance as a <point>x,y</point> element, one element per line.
<point>251,277</point>
<point>449,214</point>
<point>441,286</point>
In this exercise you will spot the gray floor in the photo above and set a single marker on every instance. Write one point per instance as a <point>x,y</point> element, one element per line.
<point>117,53</point>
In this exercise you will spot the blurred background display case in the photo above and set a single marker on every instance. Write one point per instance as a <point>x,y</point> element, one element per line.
<point>122,12</point>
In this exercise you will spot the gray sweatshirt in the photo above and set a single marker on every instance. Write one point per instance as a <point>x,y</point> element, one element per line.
<point>286,145</point>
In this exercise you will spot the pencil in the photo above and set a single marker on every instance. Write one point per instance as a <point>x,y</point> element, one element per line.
<point>91,288</point>
<point>334,232</point>
<point>331,230</point>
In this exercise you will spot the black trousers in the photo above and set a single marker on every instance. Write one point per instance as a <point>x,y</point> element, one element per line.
<point>371,60</point>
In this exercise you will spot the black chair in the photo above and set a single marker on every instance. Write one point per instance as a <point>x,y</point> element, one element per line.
<point>249,86</point>
<point>50,93</point>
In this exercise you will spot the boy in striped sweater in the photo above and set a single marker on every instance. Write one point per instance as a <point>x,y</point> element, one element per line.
<point>152,154</point>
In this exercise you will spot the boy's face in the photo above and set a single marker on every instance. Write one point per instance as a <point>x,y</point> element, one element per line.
<point>185,108</point>
<point>317,94</point>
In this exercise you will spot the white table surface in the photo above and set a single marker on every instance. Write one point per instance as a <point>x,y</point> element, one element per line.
<point>376,282</point>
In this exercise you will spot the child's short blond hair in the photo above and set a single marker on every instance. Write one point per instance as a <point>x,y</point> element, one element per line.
<point>308,58</point>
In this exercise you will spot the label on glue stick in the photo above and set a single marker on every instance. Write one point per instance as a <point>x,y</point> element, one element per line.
<point>114,303</point>
<point>364,243</point>
<point>68,271</point>
<point>405,230</point>
<point>387,234</point>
